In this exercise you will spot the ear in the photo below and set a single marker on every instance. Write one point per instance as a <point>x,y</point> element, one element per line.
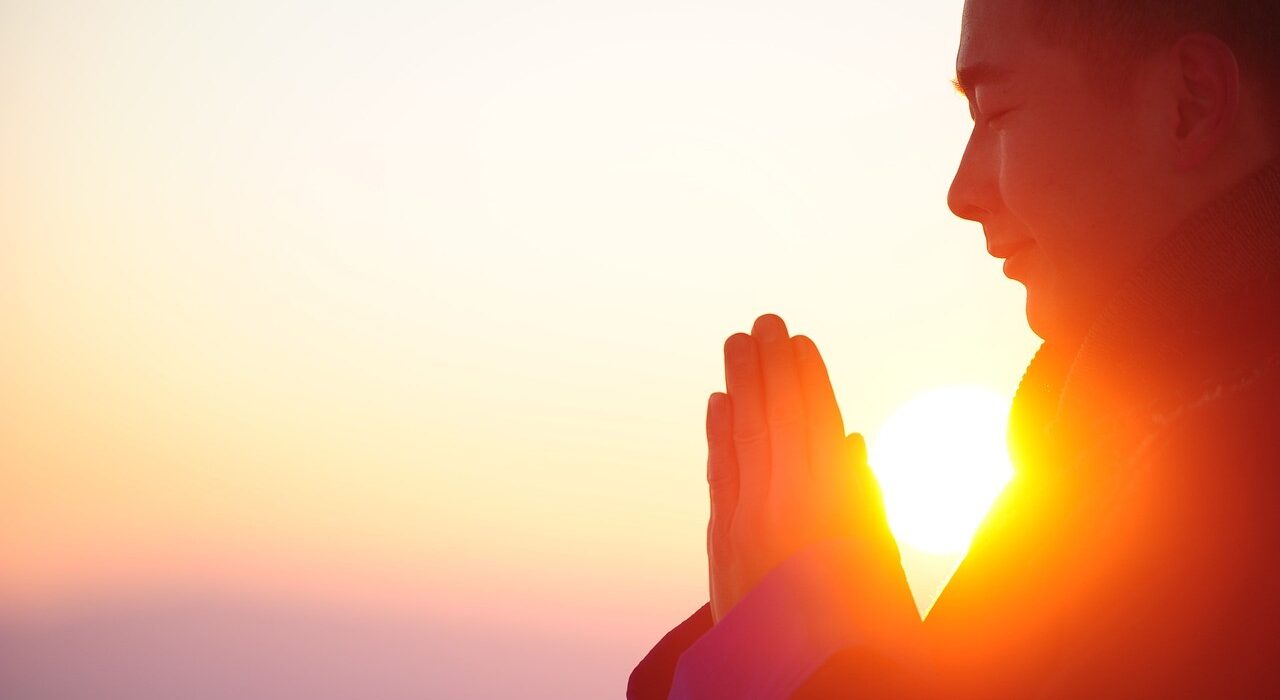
<point>1207,93</point>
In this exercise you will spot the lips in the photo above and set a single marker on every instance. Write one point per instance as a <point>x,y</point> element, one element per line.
<point>1015,265</point>
<point>1006,249</point>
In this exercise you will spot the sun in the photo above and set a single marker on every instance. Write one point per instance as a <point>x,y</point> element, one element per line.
<point>941,460</point>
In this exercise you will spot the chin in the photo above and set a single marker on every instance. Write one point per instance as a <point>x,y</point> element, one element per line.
<point>1038,316</point>
<point>1051,322</point>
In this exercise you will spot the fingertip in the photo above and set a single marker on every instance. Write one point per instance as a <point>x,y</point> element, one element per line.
<point>769,326</point>
<point>857,445</point>
<point>736,342</point>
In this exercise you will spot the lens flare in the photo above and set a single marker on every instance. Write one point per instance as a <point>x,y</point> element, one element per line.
<point>941,460</point>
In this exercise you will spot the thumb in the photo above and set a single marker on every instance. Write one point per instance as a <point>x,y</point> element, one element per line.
<point>856,445</point>
<point>871,497</point>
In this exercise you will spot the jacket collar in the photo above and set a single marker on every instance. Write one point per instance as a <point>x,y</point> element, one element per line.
<point>1152,338</point>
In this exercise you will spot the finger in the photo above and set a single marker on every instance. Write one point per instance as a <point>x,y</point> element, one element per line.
<point>750,428</point>
<point>824,423</point>
<point>867,495</point>
<point>784,405</point>
<point>857,448</point>
<point>722,468</point>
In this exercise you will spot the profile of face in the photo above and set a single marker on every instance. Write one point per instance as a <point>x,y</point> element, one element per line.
<point>1072,186</point>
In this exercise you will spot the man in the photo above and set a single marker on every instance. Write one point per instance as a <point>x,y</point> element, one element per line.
<point>1125,161</point>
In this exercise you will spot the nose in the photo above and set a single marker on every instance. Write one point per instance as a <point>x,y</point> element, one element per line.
<point>973,194</point>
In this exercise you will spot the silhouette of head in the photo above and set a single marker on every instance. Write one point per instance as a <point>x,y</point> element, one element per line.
<point>1099,126</point>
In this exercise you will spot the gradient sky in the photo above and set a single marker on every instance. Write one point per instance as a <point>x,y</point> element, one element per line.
<point>415,307</point>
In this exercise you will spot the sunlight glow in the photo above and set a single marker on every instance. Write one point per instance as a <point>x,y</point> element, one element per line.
<point>414,307</point>
<point>941,460</point>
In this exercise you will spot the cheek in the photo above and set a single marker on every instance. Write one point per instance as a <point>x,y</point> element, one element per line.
<point>1048,163</point>
<point>1036,190</point>
<point>1057,181</point>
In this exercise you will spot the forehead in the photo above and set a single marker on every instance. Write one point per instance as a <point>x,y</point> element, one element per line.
<point>993,32</point>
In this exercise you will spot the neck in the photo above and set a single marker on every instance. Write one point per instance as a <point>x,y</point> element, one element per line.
<point>1135,343</point>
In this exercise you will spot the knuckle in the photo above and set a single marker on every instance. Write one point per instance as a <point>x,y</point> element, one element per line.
<point>751,435</point>
<point>721,484</point>
<point>786,417</point>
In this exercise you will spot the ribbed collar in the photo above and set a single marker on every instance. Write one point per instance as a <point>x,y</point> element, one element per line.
<point>1134,350</point>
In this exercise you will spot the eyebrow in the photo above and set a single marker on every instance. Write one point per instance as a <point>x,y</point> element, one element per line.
<point>969,77</point>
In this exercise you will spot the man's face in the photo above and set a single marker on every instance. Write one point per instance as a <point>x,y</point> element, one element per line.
<point>1065,181</point>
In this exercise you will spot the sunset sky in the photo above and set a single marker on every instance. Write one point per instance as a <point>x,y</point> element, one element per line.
<point>411,310</point>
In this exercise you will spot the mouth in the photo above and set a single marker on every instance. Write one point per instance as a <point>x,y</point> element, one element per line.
<point>1006,250</point>
<point>1015,261</point>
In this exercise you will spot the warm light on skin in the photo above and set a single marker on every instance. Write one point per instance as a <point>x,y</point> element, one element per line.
<point>941,460</point>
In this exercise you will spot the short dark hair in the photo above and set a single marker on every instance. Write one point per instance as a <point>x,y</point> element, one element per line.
<point>1116,30</point>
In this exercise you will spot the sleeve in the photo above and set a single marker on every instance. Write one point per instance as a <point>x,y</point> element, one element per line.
<point>821,622</point>
<point>651,678</point>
